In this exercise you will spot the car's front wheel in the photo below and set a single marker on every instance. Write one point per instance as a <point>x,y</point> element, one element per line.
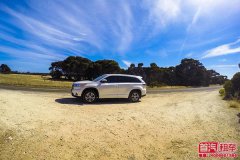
<point>89,96</point>
<point>134,96</point>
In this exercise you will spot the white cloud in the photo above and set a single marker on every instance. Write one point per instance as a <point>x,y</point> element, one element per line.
<point>224,49</point>
<point>222,60</point>
<point>72,26</point>
<point>124,23</point>
<point>224,66</point>
<point>59,28</point>
<point>189,55</point>
<point>163,12</point>
<point>29,54</point>
<point>194,19</point>
<point>127,63</point>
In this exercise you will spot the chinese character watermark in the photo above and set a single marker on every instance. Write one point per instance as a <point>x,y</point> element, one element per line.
<point>217,150</point>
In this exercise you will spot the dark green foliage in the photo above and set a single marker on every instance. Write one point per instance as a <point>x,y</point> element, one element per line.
<point>189,73</point>
<point>216,78</point>
<point>57,74</point>
<point>5,69</point>
<point>228,88</point>
<point>236,82</point>
<point>192,73</point>
<point>107,66</point>
<point>56,70</point>
<point>232,87</point>
<point>78,68</point>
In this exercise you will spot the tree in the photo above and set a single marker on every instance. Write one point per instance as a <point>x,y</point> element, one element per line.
<point>5,69</point>
<point>56,74</point>
<point>153,65</point>
<point>216,78</point>
<point>189,73</point>
<point>169,76</point>
<point>192,73</point>
<point>56,69</point>
<point>106,67</point>
<point>236,83</point>
<point>76,67</point>
<point>140,65</point>
<point>131,69</point>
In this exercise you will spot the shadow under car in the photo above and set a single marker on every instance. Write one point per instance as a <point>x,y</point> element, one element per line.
<point>78,101</point>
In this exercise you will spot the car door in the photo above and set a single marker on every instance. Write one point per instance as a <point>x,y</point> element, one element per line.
<point>108,89</point>
<point>124,86</point>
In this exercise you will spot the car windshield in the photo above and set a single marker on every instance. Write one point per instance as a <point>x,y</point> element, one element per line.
<point>98,78</point>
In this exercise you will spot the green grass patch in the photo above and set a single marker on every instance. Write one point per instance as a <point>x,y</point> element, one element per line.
<point>222,92</point>
<point>32,81</point>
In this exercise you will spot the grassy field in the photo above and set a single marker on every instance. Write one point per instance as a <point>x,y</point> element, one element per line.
<point>47,82</point>
<point>32,81</point>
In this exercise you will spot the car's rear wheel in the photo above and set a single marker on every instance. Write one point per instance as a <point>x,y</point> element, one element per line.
<point>89,96</point>
<point>134,96</point>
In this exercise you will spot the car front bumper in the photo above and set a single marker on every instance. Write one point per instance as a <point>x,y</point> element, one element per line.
<point>76,92</point>
<point>144,92</point>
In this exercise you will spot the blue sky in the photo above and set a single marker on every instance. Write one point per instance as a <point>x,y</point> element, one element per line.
<point>35,33</point>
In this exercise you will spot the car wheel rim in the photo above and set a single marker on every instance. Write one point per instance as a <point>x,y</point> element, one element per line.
<point>90,97</point>
<point>135,97</point>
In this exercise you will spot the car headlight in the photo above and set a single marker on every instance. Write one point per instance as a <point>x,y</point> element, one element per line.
<point>76,85</point>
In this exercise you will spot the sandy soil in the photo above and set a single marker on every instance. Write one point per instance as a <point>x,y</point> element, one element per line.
<point>162,126</point>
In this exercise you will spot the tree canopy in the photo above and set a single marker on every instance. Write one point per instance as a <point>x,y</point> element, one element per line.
<point>189,72</point>
<point>78,68</point>
<point>5,69</point>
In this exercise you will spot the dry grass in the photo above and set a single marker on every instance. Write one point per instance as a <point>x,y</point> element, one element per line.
<point>234,104</point>
<point>167,87</point>
<point>32,81</point>
<point>47,82</point>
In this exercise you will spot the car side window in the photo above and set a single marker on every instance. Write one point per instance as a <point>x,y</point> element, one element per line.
<point>125,79</point>
<point>112,79</point>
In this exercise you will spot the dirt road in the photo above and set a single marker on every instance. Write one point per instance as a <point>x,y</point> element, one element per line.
<point>41,125</point>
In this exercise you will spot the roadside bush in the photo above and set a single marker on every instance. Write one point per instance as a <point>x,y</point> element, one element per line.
<point>236,84</point>
<point>154,84</point>
<point>228,90</point>
<point>222,91</point>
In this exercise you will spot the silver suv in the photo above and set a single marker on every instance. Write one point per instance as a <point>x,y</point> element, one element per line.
<point>110,86</point>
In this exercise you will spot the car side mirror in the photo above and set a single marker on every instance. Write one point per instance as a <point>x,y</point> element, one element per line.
<point>103,81</point>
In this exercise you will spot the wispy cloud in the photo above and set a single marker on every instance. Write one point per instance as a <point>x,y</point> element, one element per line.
<point>225,49</point>
<point>163,12</point>
<point>116,29</point>
<point>222,60</point>
<point>127,63</point>
<point>189,55</point>
<point>224,66</point>
<point>70,26</point>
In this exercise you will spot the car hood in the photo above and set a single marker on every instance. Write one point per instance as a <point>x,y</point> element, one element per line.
<point>83,82</point>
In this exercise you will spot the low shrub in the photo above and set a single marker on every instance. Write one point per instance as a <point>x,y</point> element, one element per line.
<point>155,84</point>
<point>222,91</point>
<point>236,82</point>
<point>228,90</point>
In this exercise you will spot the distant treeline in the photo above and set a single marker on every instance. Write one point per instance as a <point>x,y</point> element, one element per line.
<point>31,73</point>
<point>189,72</point>
<point>5,69</point>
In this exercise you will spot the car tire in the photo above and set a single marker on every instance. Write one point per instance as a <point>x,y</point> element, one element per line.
<point>134,96</point>
<point>89,96</point>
